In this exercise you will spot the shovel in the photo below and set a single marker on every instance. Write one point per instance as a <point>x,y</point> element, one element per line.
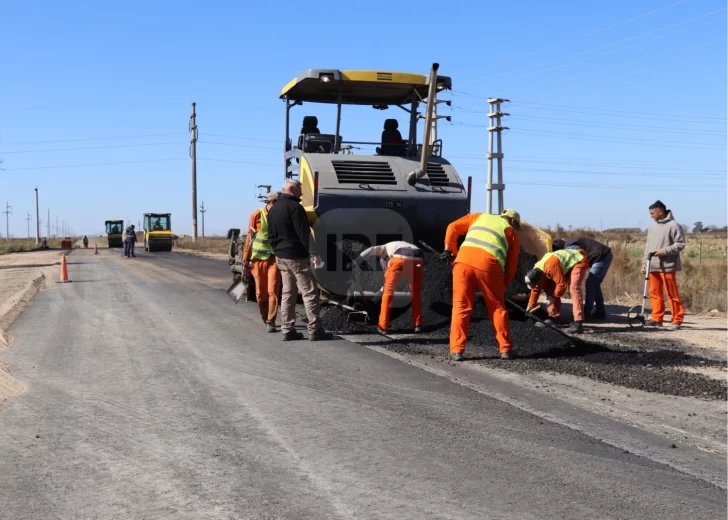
<point>239,288</point>
<point>531,315</point>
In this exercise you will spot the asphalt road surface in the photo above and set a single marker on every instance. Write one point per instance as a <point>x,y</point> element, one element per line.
<point>152,396</point>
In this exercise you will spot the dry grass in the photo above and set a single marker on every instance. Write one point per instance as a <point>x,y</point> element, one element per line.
<point>213,244</point>
<point>702,282</point>
<point>21,245</point>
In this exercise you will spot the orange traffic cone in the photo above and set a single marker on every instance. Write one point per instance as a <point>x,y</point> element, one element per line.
<point>64,270</point>
<point>96,250</point>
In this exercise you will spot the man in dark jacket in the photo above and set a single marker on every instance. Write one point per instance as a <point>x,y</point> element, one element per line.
<point>599,257</point>
<point>130,241</point>
<point>290,236</point>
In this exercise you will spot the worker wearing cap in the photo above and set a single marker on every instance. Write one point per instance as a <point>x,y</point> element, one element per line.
<point>487,259</point>
<point>397,259</point>
<point>262,262</point>
<point>553,274</point>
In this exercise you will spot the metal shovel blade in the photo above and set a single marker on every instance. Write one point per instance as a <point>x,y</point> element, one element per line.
<point>238,290</point>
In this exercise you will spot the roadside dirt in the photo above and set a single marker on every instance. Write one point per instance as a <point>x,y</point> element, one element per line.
<point>22,275</point>
<point>201,254</point>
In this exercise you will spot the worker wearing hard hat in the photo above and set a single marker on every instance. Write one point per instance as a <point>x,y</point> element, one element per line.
<point>398,259</point>
<point>553,274</point>
<point>488,259</point>
<point>262,263</point>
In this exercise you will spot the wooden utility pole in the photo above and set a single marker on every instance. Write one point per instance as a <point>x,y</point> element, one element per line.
<point>29,218</point>
<point>203,210</point>
<point>193,154</point>
<point>8,212</point>
<point>494,129</point>
<point>37,219</point>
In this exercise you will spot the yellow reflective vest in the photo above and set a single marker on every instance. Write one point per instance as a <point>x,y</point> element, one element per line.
<point>488,232</point>
<point>568,258</point>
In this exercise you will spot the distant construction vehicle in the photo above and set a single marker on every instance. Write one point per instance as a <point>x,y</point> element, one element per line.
<point>158,234</point>
<point>114,230</point>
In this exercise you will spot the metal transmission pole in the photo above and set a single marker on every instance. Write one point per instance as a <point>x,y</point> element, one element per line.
<point>203,210</point>
<point>56,225</point>
<point>37,219</point>
<point>494,129</point>
<point>29,218</point>
<point>193,154</point>
<point>8,212</point>
<point>48,236</point>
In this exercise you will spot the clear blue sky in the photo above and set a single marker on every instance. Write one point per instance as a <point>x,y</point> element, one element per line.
<point>614,105</point>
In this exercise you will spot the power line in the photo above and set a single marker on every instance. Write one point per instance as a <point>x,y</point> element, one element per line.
<point>239,162</point>
<point>599,162</point>
<point>92,147</point>
<point>607,111</point>
<point>94,164</point>
<point>611,139</point>
<point>654,175</point>
<point>246,138</point>
<point>642,187</point>
<point>241,145</point>
<point>682,22</point>
<point>96,138</point>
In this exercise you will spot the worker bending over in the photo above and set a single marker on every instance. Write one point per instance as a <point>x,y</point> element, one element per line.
<point>262,263</point>
<point>600,258</point>
<point>553,274</point>
<point>487,259</point>
<point>398,259</point>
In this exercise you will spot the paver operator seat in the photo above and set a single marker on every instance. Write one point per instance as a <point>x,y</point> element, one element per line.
<point>392,143</point>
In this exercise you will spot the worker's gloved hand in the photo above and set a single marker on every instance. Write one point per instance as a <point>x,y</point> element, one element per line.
<point>446,255</point>
<point>550,300</point>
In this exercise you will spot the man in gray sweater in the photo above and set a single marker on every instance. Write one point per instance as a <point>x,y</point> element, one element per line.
<point>666,239</point>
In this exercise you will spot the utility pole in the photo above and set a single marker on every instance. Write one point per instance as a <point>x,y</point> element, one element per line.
<point>29,218</point>
<point>193,154</point>
<point>494,129</point>
<point>37,219</point>
<point>8,212</point>
<point>49,224</point>
<point>203,210</point>
<point>56,225</point>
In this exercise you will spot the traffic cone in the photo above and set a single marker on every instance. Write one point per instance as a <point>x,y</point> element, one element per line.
<point>96,250</point>
<point>64,270</point>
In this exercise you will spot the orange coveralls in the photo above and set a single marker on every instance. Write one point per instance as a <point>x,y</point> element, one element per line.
<point>655,285</point>
<point>554,283</point>
<point>265,272</point>
<point>475,267</point>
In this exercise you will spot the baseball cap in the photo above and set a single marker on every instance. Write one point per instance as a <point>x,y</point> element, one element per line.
<point>515,216</point>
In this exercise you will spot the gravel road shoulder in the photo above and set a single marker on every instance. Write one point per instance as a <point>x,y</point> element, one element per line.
<point>22,275</point>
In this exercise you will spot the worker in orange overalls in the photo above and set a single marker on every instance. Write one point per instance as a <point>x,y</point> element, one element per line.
<point>487,259</point>
<point>553,274</point>
<point>398,258</point>
<point>262,263</point>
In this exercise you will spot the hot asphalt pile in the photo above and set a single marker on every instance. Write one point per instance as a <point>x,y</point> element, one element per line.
<point>538,349</point>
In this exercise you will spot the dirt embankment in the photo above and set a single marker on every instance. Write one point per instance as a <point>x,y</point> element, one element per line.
<point>22,275</point>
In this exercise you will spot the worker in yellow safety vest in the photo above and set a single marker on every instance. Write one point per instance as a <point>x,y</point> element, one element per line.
<point>553,274</point>
<point>262,263</point>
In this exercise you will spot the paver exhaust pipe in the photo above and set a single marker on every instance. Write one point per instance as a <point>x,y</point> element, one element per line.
<point>412,177</point>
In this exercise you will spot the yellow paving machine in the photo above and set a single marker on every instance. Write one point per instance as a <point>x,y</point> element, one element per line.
<point>114,231</point>
<point>158,234</point>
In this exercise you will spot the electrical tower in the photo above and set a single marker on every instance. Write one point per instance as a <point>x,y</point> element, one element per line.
<point>193,155</point>
<point>494,131</point>
<point>203,210</point>
<point>8,211</point>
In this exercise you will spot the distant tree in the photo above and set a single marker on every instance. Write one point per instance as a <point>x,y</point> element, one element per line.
<point>623,230</point>
<point>698,227</point>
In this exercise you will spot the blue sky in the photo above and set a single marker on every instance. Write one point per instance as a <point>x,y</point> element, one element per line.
<point>614,105</point>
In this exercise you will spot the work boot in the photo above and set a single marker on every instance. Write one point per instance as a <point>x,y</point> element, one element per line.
<point>320,335</point>
<point>270,327</point>
<point>652,323</point>
<point>457,356</point>
<point>674,326</point>
<point>418,329</point>
<point>381,331</point>
<point>507,355</point>
<point>292,335</point>
<point>265,319</point>
<point>576,328</point>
